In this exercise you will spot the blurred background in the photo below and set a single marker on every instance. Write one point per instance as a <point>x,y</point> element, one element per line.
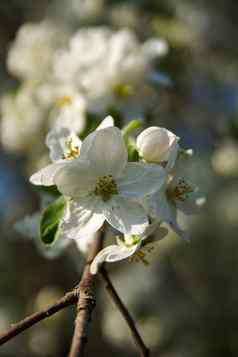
<point>185,301</point>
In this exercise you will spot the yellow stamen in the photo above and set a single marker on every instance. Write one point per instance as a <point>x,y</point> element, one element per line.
<point>181,191</point>
<point>63,101</point>
<point>139,255</point>
<point>72,150</point>
<point>123,90</point>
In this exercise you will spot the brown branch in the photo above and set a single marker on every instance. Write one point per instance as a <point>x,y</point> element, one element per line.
<point>86,301</point>
<point>68,299</point>
<point>84,297</point>
<point>143,350</point>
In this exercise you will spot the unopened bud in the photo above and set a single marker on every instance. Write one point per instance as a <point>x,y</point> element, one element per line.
<point>156,144</point>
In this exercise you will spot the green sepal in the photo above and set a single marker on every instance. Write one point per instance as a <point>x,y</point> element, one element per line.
<point>132,125</point>
<point>133,154</point>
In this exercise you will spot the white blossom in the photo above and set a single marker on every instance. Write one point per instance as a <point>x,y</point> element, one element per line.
<point>176,195</point>
<point>110,68</point>
<point>128,247</point>
<point>64,146</point>
<point>69,111</point>
<point>24,118</point>
<point>103,185</point>
<point>31,53</point>
<point>21,119</point>
<point>159,145</point>
<point>64,143</point>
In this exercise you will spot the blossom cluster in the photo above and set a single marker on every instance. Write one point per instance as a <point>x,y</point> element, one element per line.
<point>65,75</point>
<point>100,185</point>
<point>101,172</point>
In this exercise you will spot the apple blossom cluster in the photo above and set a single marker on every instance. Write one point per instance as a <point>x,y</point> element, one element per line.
<point>100,183</point>
<point>99,175</point>
<point>66,77</point>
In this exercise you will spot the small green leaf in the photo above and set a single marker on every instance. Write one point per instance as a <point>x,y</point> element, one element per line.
<point>49,223</point>
<point>132,125</point>
<point>133,154</point>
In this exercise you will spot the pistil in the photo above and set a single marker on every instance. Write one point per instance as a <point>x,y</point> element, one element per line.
<point>106,187</point>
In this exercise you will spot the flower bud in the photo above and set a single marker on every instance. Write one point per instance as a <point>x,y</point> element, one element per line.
<point>156,144</point>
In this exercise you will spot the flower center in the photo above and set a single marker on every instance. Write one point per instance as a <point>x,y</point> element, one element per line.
<point>181,191</point>
<point>123,90</point>
<point>106,187</point>
<point>63,101</point>
<point>131,240</point>
<point>72,150</point>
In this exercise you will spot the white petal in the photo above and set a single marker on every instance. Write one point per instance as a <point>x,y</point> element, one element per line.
<point>165,211</point>
<point>71,115</point>
<point>141,179</point>
<point>112,253</point>
<point>84,242</point>
<point>172,156</point>
<point>54,142</point>
<point>158,234</point>
<point>152,228</point>
<point>75,179</point>
<point>179,231</point>
<point>106,123</point>
<point>46,176</point>
<point>162,208</point>
<point>83,219</point>
<point>126,216</point>
<point>106,150</point>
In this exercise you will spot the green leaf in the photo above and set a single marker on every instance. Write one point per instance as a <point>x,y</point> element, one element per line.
<point>49,223</point>
<point>132,125</point>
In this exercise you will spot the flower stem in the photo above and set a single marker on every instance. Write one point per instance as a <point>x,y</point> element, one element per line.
<point>143,350</point>
<point>83,296</point>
